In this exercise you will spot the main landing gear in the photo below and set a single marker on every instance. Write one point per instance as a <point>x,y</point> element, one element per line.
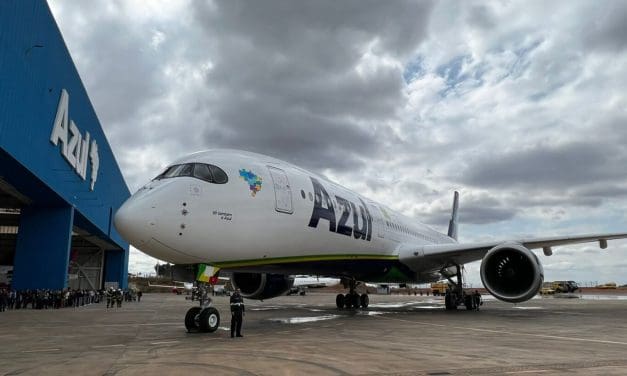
<point>203,318</point>
<point>352,299</point>
<point>456,296</point>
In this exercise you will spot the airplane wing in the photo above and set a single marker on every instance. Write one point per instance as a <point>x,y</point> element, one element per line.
<point>426,257</point>
<point>167,286</point>
<point>314,282</point>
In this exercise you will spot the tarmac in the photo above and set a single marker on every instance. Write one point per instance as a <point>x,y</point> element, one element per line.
<point>296,335</point>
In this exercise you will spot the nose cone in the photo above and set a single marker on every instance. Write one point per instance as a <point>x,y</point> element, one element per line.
<point>133,222</point>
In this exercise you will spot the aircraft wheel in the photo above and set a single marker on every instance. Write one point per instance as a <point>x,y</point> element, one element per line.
<point>468,302</point>
<point>449,302</point>
<point>191,319</point>
<point>355,300</point>
<point>209,320</point>
<point>348,303</point>
<point>364,300</point>
<point>339,301</point>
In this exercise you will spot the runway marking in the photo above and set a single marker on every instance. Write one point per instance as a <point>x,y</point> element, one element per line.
<point>548,336</point>
<point>111,325</point>
<point>103,346</point>
<point>163,342</point>
<point>40,350</point>
<point>529,371</point>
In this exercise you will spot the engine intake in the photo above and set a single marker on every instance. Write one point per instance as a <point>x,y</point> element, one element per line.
<point>512,273</point>
<point>261,285</point>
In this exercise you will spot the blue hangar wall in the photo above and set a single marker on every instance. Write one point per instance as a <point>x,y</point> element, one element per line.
<point>53,152</point>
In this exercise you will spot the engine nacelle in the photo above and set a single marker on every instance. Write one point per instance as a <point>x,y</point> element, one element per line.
<point>261,285</point>
<point>511,272</point>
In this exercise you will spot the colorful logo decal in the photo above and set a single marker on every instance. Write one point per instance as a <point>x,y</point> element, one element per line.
<point>254,181</point>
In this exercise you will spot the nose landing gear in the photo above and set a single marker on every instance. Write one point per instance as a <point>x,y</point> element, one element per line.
<point>204,318</point>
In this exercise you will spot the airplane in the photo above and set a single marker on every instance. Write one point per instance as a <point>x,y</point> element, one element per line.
<point>304,282</point>
<point>264,220</point>
<point>188,287</point>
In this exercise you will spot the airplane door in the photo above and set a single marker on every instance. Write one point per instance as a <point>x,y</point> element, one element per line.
<point>282,191</point>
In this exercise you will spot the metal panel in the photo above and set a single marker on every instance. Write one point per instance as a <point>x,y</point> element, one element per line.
<point>282,191</point>
<point>43,248</point>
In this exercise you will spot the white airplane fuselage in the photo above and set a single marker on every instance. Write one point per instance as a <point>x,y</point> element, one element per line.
<point>269,216</point>
<point>264,220</point>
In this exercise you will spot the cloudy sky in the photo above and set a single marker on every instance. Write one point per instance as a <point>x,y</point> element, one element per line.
<point>520,106</point>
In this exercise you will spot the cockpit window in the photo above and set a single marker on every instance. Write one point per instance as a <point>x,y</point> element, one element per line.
<point>185,170</point>
<point>202,171</point>
<point>219,176</point>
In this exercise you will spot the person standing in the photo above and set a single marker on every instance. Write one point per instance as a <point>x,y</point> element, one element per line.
<point>237,313</point>
<point>476,299</point>
<point>139,296</point>
<point>118,297</point>
<point>4,300</point>
<point>110,297</point>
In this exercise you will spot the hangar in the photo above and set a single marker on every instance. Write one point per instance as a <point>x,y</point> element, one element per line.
<point>59,181</point>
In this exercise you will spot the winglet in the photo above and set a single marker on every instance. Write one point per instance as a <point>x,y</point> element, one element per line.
<point>452,225</point>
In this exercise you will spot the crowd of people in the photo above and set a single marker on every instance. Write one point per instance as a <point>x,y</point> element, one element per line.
<point>54,299</point>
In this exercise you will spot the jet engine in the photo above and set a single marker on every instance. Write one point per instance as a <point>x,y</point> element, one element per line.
<point>511,272</point>
<point>261,285</point>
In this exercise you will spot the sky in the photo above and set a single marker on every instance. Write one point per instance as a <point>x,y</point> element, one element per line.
<point>520,106</point>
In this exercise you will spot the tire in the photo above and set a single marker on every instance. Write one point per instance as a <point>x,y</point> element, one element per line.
<point>355,301</point>
<point>449,302</point>
<point>339,301</point>
<point>348,302</point>
<point>191,319</point>
<point>364,300</point>
<point>469,303</point>
<point>209,320</point>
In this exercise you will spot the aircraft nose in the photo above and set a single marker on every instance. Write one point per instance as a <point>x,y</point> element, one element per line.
<point>134,223</point>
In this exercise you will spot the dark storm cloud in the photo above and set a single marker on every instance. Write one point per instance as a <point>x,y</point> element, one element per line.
<point>116,58</point>
<point>546,167</point>
<point>336,28</point>
<point>479,210</point>
<point>294,79</point>
<point>302,139</point>
<point>560,197</point>
<point>605,190</point>
<point>608,29</point>
<point>481,16</point>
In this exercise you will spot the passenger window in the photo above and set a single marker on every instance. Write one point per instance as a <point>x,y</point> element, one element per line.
<point>202,172</point>
<point>219,176</point>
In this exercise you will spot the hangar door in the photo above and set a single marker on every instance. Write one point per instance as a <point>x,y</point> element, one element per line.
<point>282,191</point>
